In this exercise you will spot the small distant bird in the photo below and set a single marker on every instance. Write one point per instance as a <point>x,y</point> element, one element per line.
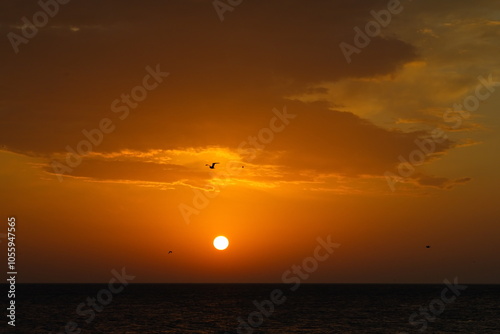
<point>211,166</point>
<point>427,246</point>
<point>169,252</point>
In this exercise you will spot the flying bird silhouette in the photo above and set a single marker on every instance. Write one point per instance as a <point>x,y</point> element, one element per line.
<point>169,252</point>
<point>427,246</point>
<point>211,166</point>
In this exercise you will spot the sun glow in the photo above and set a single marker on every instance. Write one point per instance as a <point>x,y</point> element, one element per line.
<point>221,242</point>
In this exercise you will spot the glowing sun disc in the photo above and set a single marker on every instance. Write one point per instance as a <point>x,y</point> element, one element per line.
<point>221,242</point>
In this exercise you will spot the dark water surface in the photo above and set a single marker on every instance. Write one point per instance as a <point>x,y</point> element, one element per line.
<point>218,308</point>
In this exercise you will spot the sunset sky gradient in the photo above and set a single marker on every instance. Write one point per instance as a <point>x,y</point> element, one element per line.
<point>323,174</point>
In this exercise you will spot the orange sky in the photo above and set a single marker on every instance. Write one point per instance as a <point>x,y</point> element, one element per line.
<point>322,170</point>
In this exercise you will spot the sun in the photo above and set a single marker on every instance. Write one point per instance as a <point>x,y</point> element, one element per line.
<point>221,242</point>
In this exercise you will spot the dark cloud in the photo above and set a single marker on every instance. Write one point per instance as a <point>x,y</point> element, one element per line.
<point>225,79</point>
<point>440,182</point>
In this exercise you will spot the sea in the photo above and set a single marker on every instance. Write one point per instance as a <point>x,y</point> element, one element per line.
<point>254,308</point>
